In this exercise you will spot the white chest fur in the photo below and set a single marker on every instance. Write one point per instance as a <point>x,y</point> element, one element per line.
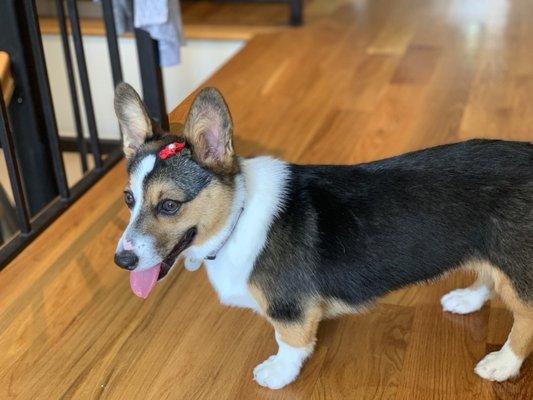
<point>261,189</point>
<point>230,281</point>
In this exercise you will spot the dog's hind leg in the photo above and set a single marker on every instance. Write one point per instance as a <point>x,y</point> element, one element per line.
<point>506,362</point>
<point>470,299</point>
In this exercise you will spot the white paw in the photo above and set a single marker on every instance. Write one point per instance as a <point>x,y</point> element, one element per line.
<point>499,365</point>
<point>465,301</point>
<point>276,372</point>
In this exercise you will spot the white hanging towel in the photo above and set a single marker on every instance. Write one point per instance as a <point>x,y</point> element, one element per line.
<point>160,18</point>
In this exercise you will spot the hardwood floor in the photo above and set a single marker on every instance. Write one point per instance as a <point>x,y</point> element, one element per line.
<point>363,80</point>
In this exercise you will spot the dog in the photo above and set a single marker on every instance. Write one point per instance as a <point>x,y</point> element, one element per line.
<point>301,243</point>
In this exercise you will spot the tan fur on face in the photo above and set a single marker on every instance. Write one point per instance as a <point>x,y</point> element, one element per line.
<point>208,212</point>
<point>211,209</point>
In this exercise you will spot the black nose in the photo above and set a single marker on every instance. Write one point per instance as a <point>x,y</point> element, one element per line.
<point>126,259</point>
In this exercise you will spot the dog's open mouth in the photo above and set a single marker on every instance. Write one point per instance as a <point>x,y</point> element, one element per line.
<point>183,243</point>
<point>142,282</point>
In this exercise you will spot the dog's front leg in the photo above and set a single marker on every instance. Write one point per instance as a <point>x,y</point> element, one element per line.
<point>296,341</point>
<point>284,367</point>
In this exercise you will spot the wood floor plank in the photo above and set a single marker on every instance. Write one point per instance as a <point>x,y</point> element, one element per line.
<point>443,349</point>
<point>417,65</point>
<point>365,354</point>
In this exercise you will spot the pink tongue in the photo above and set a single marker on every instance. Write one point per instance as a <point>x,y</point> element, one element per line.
<point>142,282</point>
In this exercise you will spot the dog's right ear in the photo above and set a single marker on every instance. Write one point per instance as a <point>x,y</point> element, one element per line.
<point>134,121</point>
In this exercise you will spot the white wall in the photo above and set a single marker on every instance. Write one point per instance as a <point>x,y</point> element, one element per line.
<point>200,58</point>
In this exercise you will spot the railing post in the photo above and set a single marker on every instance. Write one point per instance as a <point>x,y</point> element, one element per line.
<point>151,77</point>
<point>13,170</point>
<point>80,139</point>
<point>83,72</point>
<point>112,42</point>
<point>27,113</point>
<point>296,10</point>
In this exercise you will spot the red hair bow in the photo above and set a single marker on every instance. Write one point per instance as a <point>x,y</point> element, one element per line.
<point>171,150</point>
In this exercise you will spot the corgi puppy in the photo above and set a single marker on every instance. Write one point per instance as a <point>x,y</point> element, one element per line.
<point>300,243</point>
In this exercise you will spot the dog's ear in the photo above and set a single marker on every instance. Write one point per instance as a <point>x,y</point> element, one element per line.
<point>209,131</point>
<point>132,117</point>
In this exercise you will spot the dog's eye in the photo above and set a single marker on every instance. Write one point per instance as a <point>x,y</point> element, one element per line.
<point>129,199</point>
<point>169,207</point>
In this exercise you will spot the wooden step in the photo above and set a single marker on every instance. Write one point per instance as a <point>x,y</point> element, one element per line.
<point>210,20</point>
<point>96,27</point>
<point>6,79</point>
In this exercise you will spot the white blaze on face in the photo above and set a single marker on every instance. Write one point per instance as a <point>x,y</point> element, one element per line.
<point>136,183</point>
<point>141,245</point>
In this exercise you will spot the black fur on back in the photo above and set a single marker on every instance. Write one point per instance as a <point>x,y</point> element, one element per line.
<point>354,233</point>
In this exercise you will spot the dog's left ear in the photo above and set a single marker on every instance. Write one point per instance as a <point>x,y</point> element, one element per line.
<point>133,119</point>
<point>209,131</point>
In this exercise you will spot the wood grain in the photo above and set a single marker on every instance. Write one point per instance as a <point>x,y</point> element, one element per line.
<point>361,81</point>
<point>7,82</point>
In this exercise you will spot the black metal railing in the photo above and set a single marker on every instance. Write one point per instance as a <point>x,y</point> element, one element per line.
<point>28,129</point>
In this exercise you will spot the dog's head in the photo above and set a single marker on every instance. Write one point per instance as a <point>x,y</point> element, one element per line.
<point>180,188</point>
